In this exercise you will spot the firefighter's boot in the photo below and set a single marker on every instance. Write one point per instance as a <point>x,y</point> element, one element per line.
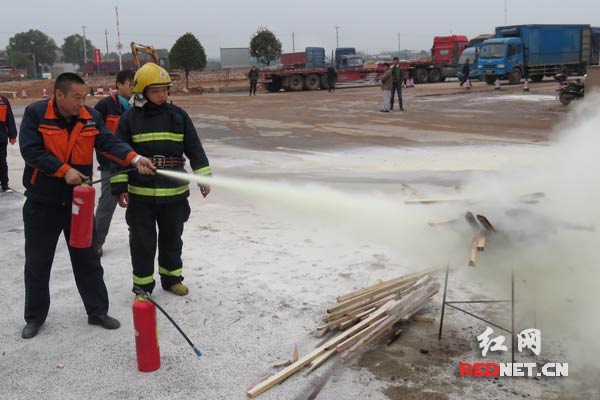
<point>179,289</point>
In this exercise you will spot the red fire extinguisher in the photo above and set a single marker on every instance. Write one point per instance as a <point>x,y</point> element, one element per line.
<point>82,216</point>
<point>146,335</point>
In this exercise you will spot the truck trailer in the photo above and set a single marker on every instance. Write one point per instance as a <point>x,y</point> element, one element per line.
<point>535,51</point>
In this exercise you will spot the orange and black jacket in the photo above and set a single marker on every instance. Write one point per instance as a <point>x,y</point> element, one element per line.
<point>7,121</point>
<point>163,131</point>
<point>50,146</point>
<point>110,109</point>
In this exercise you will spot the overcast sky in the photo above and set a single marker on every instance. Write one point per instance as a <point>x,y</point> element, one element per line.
<point>367,25</point>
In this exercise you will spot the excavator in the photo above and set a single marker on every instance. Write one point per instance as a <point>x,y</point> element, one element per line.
<point>140,48</point>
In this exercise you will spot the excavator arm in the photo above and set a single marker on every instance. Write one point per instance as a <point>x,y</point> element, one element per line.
<point>137,48</point>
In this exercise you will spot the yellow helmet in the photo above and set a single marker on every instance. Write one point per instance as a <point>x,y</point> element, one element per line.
<point>148,75</point>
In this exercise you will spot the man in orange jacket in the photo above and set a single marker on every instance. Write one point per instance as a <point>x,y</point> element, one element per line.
<point>57,140</point>
<point>8,133</point>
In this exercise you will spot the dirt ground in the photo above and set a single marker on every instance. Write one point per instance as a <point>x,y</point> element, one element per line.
<point>261,277</point>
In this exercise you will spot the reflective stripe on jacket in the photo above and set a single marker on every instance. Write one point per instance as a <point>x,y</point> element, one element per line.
<point>51,146</point>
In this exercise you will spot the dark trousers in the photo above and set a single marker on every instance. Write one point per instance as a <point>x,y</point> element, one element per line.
<point>253,87</point>
<point>3,166</point>
<point>142,219</point>
<point>331,84</point>
<point>396,88</point>
<point>43,226</point>
<point>106,207</point>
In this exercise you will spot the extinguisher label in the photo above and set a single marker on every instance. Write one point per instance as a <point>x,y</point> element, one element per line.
<point>75,209</point>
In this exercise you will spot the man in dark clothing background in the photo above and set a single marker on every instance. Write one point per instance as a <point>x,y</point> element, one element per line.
<point>8,133</point>
<point>331,78</point>
<point>466,70</point>
<point>57,141</point>
<point>398,79</point>
<point>110,108</point>
<point>253,77</point>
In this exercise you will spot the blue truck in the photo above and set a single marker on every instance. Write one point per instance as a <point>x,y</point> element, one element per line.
<point>535,51</point>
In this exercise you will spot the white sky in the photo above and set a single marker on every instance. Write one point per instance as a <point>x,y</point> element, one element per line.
<point>370,26</point>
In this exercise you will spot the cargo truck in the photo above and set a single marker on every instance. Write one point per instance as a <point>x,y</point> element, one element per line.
<point>535,51</point>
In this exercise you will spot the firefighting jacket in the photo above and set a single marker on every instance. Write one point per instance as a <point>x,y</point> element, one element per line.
<point>7,121</point>
<point>155,132</point>
<point>110,108</point>
<point>50,146</point>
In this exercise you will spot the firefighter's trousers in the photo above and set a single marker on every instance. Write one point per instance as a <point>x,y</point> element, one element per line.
<point>43,226</point>
<point>143,218</point>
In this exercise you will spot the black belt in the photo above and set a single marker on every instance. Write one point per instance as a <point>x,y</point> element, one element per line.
<point>167,162</point>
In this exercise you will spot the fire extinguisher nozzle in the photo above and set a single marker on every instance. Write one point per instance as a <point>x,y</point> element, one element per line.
<point>198,353</point>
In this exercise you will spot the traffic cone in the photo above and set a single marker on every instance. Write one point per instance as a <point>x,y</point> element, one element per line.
<point>497,85</point>
<point>44,93</point>
<point>23,94</point>
<point>410,83</point>
<point>100,91</point>
<point>468,84</point>
<point>526,85</point>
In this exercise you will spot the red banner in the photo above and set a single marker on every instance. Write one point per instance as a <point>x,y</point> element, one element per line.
<point>97,56</point>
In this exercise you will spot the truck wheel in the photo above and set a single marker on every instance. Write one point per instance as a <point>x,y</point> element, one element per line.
<point>296,83</point>
<point>490,79</point>
<point>515,76</point>
<point>324,83</point>
<point>421,75</point>
<point>435,75</point>
<point>311,82</point>
<point>275,84</point>
<point>537,78</point>
<point>565,98</point>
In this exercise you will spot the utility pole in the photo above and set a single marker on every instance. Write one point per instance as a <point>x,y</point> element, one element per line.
<point>119,44</point>
<point>293,43</point>
<point>337,37</point>
<point>505,13</point>
<point>84,48</point>
<point>399,48</point>
<point>34,67</point>
<point>106,37</point>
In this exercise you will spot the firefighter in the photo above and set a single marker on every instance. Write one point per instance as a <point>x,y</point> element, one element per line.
<point>164,133</point>
<point>8,133</point>
<point>57,141</point>
<point>110,108</point>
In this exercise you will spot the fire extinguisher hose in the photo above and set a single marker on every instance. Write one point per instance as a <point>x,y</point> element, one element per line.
<point>139,291</point>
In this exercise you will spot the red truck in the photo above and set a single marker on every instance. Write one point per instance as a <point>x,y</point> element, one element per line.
<point>304,70</point>
<point>444,58</point>
<point>9,73</point>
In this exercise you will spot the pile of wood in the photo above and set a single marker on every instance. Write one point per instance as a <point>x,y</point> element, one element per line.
<point>362,316</point>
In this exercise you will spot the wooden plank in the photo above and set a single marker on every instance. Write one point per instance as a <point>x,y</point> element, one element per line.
<point>293,368</point>
<point>472,221</point>
<point>353,339</point>
<point>316,363</point>
<point>370,297</point>
<point>359,307</point>
<point>389,284</point>
<point>480,242</point>
<point>486,223</point>
<point>444,222</point>
<point>473,252</point>
<point>432,201</point>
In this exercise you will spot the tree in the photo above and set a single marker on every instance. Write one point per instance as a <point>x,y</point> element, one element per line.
<point>34,42</point>
<point>188,54</point>
<point>73,49</point>
<point>265,46</point>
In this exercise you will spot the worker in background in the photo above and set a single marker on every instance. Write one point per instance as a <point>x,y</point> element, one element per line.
<point>253,77</point>
<point>386,86</point>
<point>164,133</point>
<point>8,133</point>
<point>466,70</point>
<point>331,78</point>
<point>110,108</point>
<point>57,140</point>
<point>398,78</point>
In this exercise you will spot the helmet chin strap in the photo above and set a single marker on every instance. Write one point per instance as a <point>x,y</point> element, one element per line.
<point>138,100</point>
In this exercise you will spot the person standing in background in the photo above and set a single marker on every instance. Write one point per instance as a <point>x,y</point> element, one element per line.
<point>253,77</point>
<point>8,133</point>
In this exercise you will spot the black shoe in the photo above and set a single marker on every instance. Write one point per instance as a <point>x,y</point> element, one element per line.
<point>105,321</point>
<point>31,329</point>
<point>7,189</point>
<point>384,110</point>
